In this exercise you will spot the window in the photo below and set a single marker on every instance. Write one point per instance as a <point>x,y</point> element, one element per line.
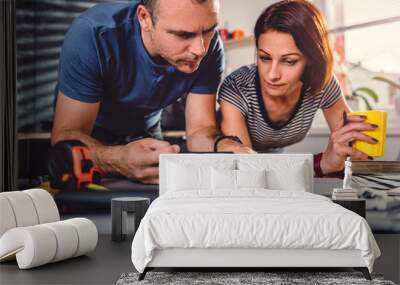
<point>367,38</point>
<point>40,29</point>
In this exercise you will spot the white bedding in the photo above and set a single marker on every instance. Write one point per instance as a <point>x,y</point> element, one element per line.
<point>252,218</point>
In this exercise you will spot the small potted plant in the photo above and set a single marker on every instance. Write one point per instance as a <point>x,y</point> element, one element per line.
<point>364,94</point>
<point>353,96</point>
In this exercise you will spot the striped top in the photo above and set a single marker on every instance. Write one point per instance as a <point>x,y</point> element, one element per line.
<point>242,89</point>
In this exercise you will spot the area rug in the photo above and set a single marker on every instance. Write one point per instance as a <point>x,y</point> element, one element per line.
<point>243,278</point>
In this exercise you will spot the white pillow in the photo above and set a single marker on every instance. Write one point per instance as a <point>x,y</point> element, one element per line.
<point>182,177</point>
<point>292,179</point>
<point>223,179</point>
<point>193,174</point>
<point>251,178</point>
<point>283,174</point>
<point>226,179</point>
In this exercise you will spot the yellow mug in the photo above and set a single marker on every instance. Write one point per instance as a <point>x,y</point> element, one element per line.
<point>378,118</point>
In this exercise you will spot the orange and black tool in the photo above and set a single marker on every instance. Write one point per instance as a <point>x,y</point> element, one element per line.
<point>71,167</point>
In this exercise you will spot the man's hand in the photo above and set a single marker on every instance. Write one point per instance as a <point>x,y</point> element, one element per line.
<point>138,160</point>
<point>339,146</point>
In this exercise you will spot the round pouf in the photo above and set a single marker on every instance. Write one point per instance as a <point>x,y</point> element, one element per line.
<point>120,207</point>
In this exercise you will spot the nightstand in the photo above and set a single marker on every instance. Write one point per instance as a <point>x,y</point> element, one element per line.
<point>355,205</point>
<point>120,207</point>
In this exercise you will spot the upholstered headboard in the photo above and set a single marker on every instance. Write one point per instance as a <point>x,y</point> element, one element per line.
<point>286,169</point>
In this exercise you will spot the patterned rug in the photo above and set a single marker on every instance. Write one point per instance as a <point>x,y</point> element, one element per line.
<point>243,278</point>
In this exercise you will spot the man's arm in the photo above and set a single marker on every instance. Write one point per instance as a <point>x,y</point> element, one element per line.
<point>74,120</point>
<point>138,160</point>
<point>234,124</point>
<point>201,127</point>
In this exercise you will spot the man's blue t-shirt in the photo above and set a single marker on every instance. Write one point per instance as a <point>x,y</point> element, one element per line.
<point>103,59</point>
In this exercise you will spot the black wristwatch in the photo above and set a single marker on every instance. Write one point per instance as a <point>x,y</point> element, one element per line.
<point>220,138</point>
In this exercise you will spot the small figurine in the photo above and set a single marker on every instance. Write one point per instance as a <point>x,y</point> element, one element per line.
<point>347,174</point>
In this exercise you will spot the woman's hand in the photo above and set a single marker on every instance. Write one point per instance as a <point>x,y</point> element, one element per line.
<point>233,146</point>
<point>339,146</point>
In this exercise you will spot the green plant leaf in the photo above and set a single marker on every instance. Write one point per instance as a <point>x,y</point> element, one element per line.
<point>369,107</point>
<point>371,93</point>
<point>387,80</point>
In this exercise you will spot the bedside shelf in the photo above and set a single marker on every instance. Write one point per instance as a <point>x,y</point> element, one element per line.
<point>355,205</point>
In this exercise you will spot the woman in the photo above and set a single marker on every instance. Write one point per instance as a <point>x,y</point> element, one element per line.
<point>270,105</point>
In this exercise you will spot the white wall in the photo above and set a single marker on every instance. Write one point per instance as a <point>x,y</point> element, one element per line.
<point>239,14</point>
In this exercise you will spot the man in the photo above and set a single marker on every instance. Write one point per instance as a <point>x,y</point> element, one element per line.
<point>121,64</point>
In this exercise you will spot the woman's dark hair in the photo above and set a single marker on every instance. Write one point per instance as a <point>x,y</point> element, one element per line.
<point>308,28</point>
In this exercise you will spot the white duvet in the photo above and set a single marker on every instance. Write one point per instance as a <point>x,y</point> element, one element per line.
<point>250,219</point>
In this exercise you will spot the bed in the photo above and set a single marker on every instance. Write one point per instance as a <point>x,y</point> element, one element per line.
<point>246,211</point>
